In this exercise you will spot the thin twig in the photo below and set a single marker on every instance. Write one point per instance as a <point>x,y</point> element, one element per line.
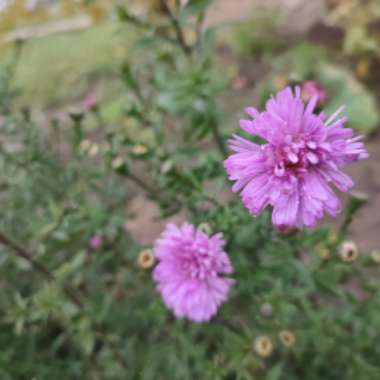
<point>25,254</point>
<point>114,351</point>
<point>21,252</point>
<point>213,201</point>
<point>152,192</point>
<point>218,139</point>
<point>198,27</point>
<point>137,22</point>
<point>173,19</point>
<point>143,185</point>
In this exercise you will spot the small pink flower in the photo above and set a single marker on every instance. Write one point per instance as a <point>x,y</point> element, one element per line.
<point>95,242</point>
<point>303,155</point>
<point>190,272</point>
<point>312,88</point>
<point>90,102</point>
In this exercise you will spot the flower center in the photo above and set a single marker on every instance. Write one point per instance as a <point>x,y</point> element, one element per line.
<point>198,263</point>
<point>294,156</point>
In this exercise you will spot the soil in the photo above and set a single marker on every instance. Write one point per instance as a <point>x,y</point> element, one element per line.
<point>365,229</point>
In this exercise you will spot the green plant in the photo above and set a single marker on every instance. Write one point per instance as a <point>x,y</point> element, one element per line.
<point>70,311</point>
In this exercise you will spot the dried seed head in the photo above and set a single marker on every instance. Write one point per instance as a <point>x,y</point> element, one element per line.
<point>263,346</point>
<point>348,251</point>
<point>84,146</point>
<point>287,338</point>
<point>266,310</point>
<point>146,259</point>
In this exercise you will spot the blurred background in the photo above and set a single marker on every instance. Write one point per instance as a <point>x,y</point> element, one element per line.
<point>99,109</point>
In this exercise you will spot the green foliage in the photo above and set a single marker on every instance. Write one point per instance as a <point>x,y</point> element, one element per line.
<point>345,89</point>
<point>105,46</point>
<point>305,62</point>
<point>70,311</point>
<point>361,38</point>
<point>260,36</point>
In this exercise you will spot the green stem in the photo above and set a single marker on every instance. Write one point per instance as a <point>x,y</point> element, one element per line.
<point>21,252</point>
<point>219,139</point>
<point>177,27</point>
<point>74,297</point>
<point>143,185</point>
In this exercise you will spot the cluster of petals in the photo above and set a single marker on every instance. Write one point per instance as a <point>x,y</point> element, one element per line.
<point>298,157</point>
<point>191,271</point>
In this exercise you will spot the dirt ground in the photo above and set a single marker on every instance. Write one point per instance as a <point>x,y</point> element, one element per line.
<point>366,174</point>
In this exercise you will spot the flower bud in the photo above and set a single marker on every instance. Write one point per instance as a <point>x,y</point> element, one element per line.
<point>90,102</point>
<point>324,253</point>
<point>205,227</point>
<point>333,236</point>
<point>95,242</point>
<point>312,88</point>
<point>84,146</point>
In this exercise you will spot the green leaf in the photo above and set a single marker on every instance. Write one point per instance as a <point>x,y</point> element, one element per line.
<point>275,372</point>
<point>194,7</point>
<point>344,89</point>
<point>129,77</point>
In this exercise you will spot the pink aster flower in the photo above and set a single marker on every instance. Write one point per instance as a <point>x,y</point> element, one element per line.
<point>90,102</point>
<point>310,88</point>
<point>95,242</point>
<point>294,170</point>
<point>190,272</point>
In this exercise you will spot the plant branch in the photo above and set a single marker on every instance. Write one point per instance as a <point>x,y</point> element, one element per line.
<point>143,25</point>
<point>218,139</point>
<point>212,200</point>
<point>26,255</point>
<point>142,184</point>
<point>198,27</point>
<point>23,253</point>
<point>173,19</point>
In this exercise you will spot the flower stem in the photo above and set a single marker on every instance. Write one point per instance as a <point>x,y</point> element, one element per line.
<point>180,36</point>
<point>218,139</point>
<point>21,252</point>
<point>142,184</point>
